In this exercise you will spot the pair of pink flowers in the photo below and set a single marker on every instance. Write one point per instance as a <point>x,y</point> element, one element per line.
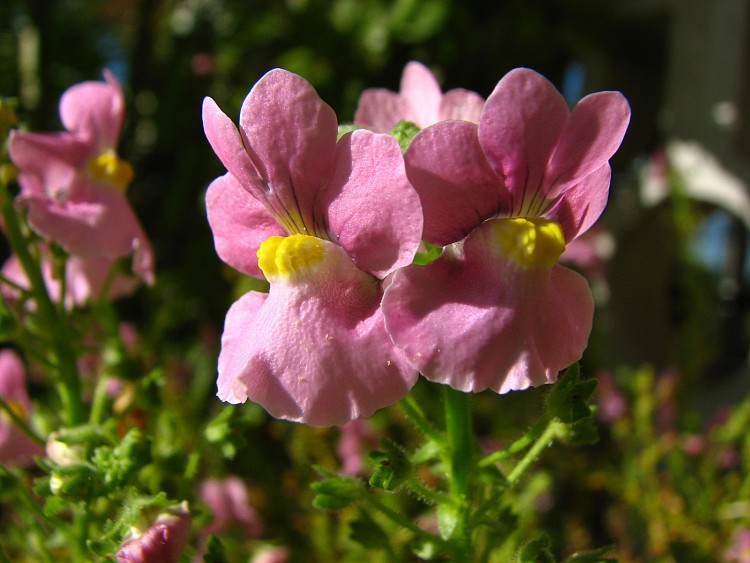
<point>334,225</point>
<point>73,184</point>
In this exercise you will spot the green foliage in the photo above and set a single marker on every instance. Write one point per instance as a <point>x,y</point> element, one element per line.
<point>392,466</point>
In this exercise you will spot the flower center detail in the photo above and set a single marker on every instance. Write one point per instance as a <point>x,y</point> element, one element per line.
<point>289,256</point>
<point>529,241</point>
<point>109,168</point>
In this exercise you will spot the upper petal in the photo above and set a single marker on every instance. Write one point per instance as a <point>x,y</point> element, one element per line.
<point>380,109</point>
<point>224,138</point>
<point>461,104</point>
<point>422,93</point>
<point>578,208</point>
<point>520,127</point>
<point>474,320</point>
<point>239,223</point>
<point>457,187</point>
<point>94,111</point>
<point>593,133</point>
<point>372,210</point>
<point>290,134</point>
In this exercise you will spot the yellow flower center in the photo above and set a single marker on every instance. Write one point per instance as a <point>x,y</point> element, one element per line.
<point>289,256</point>
<point>529,241</point>
<point>109,168</point>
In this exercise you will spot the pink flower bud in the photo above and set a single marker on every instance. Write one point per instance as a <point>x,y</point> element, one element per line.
<point>163,542</point>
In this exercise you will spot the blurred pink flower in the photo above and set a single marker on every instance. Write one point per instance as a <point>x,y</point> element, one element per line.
<point>163,542</point>
<point>496,310</point>
<point>85,279</point>
<point>229,503</point>
<point>610,399</point>
<point>74,182</point>
<point>16,448</point>
<point>314,349</point>
<point>271,555</point>
<point>739,549</point>
<point>420,101</point>
<point>355,438</point>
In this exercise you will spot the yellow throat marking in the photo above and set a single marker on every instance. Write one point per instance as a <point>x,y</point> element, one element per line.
<point>108,167</point>
<point>529,241</point>
<point>289,256</point>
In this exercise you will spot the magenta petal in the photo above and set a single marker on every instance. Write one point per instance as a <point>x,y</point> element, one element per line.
<point>372,210</point>
<point>461,104</point>
<point>380,109</point>
<point>290,134</point>
<point>314,352</point>
<point>48,162</point>
<point>239,222</point>
<point>474,321</point>
<point>224,138</point>
<point>458,189</point>
<point>94,111</point>
<point>520,126</point>
<point>578,208</point>
<point>422,94</point>
<point>593,134</point>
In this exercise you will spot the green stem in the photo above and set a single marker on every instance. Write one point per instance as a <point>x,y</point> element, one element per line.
<point>428,494</point>
<point>519,445</point>
<point>550,433</point>
<point>18,421</point>
<point>401,521</point>
<point>460,462</point>
<point>66,358</point>
<point>414,412</point>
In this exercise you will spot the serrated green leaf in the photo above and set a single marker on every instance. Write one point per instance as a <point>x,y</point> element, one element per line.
<point>392,467</point>
<point>536,551</point>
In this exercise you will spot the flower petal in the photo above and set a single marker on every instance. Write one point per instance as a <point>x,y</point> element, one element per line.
<point>224,138</point>
<point>461,104</point>
<point>422,93</point>
<point>239,222</point>
<point>94,111</point>
<point>474,320</point>
<point>48,162</point>
<point>380,109</point>
<point>290,134</point>
<point>592,135</point>
<point>519,128</point>
<point>372,210</point>
<point>314,351</point>
<point>578,208</point>
<point>458,189</point>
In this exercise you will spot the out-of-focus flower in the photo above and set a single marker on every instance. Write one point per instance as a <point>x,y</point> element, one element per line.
<point>314,349</point>
<point>74,182</point>
<point>85,279</point>
<point>16,447</point>
<point>271,555</point>
<point>163,542</point>
<point>420,100</point>
<point>610,399</point>
<point>355,438</point>
<point>496,310</point>
<point>229,503</point>
<point>739,550</point>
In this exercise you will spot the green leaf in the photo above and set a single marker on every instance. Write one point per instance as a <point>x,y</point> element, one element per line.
<point>404,132</point>
<point>536,551</point>
<point>427,253</point>
<point>447,518</point>
<point>335,493</point>
<point>215,552</point>
<point>568,401</point>
<point>392,467</point>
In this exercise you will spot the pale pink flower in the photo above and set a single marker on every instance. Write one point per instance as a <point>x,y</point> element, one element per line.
<point>496,310</point>
<point>355,438</point>
<point>273,554</point>
<point>420,100</point>
<point>314,349</point>
<point>739,549</point>
<point>229,504</point>
<point>85,279</point>
<point>163,542</point>
<point>16,447</point>
<point>74,183</point>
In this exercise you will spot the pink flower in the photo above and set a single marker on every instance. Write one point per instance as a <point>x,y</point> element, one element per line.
<point>163,542</point>
<point>496,310</point>
<point>228,500</point>
<point>272,554</point>
<point>325,222</point>
<point>85,279</point>
<point>356,436</point>
<point>16,448</point>
<point>420,101</point>
<point>74,183</point>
